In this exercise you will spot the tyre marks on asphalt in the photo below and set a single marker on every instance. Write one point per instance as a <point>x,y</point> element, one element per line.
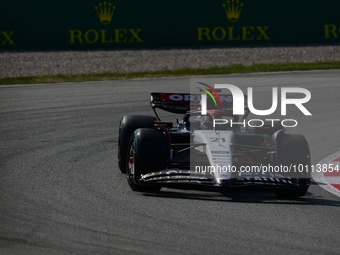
<point>327,173</point>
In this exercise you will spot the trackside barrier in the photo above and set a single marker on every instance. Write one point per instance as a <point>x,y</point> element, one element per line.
<point>98,24</point>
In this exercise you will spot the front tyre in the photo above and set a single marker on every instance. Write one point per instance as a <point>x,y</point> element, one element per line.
<point>147,153</point>
<point>128,124</point>
<point>291,192</point>
<point>293,150</point>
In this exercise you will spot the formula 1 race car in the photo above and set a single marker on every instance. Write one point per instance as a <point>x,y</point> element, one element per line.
<point>207,151</point>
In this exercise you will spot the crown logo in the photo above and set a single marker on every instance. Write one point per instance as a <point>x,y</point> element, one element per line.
<point>105,13</point>
<point>234,11</point>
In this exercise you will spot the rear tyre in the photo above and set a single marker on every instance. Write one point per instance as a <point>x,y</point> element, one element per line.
<point>128,124</point>
<point>147,153</point>
<point>293,150</point>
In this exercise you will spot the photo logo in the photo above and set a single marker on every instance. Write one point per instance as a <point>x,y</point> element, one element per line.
<point>208,92</point>
<point>239,106</point>
<point>233,11</point>
<point>105,13</point>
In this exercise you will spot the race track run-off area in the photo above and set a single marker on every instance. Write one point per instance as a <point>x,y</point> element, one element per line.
<point>61,191</point>
<point>328,173</point>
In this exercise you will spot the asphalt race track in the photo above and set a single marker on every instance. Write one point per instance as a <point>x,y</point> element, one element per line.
<point>61,191</point>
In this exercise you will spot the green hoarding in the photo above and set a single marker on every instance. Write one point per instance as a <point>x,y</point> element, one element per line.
<point>119,24</point>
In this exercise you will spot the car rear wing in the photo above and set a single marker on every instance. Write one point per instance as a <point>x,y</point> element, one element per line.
<point>174,102</point>
<point>183,102</point>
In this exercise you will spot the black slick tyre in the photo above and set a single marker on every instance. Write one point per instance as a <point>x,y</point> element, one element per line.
<point>128,124</point>
<point>147,153</point>
<point>293,150</point>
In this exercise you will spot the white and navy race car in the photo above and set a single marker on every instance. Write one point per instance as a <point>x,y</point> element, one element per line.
<point>206,151</point>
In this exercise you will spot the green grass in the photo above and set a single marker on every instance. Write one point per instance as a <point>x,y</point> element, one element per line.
<point>177,73</point>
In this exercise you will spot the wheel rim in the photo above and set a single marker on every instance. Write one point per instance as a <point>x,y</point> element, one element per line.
<point>131,162</point>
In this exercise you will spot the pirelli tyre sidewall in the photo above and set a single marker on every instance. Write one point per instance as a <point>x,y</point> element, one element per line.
<point>148,152</point>
<point>128,124</point>
<point>293,149</point>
